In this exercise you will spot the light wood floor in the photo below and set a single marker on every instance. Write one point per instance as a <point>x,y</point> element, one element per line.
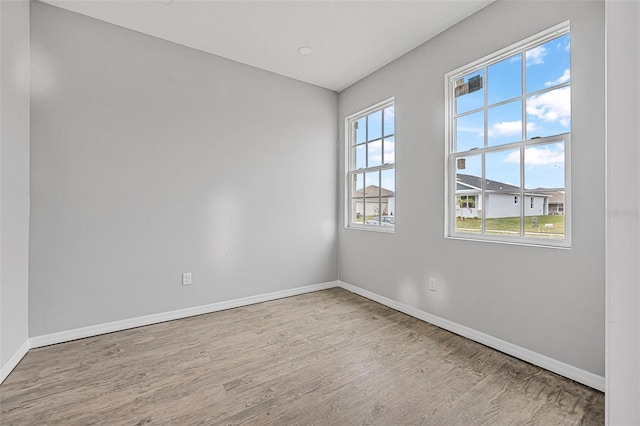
<point>325,358</point>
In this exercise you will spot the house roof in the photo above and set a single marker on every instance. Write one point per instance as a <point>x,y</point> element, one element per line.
<point>372,191</point>
<point>475,182</point>
<point>555,197</point>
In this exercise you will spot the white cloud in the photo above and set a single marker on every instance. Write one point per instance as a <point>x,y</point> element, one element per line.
<point>389,114</point>
<point>506,128</point>
<point>375,147</point>
<point>566,76</point>
<point>509,128</point>
<point>538,156</point>
<point>470,129</point>
<point>389,151</point>
<point>553,106</point>
<point>536,55</point>
<point>513,157</point>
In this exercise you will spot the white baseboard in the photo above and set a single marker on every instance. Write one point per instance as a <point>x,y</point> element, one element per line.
<point>14,360</point>
<point>94,330</point>
<point>558,367</point>
<point>581,376</point>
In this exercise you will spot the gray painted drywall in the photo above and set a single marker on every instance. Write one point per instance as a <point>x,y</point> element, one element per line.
<point>623,268</point>
<point>549,301</point>
<point>150,159</point>
<point>14,154</point>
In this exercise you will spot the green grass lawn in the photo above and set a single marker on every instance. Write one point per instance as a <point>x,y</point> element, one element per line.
<point>511,225</point>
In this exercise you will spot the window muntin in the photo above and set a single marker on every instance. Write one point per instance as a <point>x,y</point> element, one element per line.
<point>370,140</point>
<point>508,141</point>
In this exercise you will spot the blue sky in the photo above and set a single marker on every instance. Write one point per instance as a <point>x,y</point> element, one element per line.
<point>548,112</point>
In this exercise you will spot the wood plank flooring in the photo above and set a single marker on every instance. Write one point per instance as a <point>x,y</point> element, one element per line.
<point>324,358</point>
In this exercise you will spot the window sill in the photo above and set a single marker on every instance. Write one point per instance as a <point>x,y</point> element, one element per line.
<point>528,242</point>
<point>373,228</point>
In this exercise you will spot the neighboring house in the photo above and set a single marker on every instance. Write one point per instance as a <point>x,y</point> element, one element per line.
<point>556,203</point>
<point>501,199</point>
<point>369,203</point>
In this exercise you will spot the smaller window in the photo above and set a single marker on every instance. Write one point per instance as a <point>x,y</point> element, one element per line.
<point>370,168</point>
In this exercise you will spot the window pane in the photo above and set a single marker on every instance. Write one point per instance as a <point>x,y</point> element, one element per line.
<point>468,182</point>
<point>361,130</point>
<point>357,189</point>
<point>388,183</point>
<point>502,211</point>
<point>374,125</point>
<point>504,79</point>
<point>372,184</point>
<point>360,156</point>
<point>389,121</point>
<point>372,211</point>
<point>549,113</point>
<point>547,221</point>
<point>388,193</point>
<point>502,170</point>
<point>549,64</point>
<point>470,132</point>
<point>389,150</point>
<point>535,205</point>
<point>504,123</point>
<point>372,194</point>
<point>474,96</point>
<point>374,153</point>
<point>469,212</point>
<point>544,166</point>
<point>357,210</point>
<point>388,205</point>
<point>468,172</point>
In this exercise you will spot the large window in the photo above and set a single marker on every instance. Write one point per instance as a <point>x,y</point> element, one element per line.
<point>370,163</point>
<point>508,144</point>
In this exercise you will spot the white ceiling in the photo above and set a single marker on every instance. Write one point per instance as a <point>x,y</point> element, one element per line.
<point>349,39</point>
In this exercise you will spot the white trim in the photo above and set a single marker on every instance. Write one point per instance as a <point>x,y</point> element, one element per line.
<point>607,220</point>
<point>95,330</point>
<point>555,366</point>
<point>8,367</point>
<point>558,367</point>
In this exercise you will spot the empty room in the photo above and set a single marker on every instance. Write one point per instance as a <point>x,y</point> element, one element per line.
<point>319,212</point>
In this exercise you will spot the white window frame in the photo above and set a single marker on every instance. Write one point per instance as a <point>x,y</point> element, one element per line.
<point>350,170</point>
<point>451,155</point>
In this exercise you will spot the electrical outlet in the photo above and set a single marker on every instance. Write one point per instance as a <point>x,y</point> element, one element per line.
<point>433,284</point>
<point>186,278</point>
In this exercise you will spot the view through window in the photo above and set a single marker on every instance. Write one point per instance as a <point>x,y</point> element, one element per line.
<point>371,168</point>
<point>509,124</point>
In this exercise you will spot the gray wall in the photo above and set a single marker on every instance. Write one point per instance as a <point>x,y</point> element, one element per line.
<point>150,159</point>
<point>14,187</point>
<point>549,301</point>
<point>623,269</point>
